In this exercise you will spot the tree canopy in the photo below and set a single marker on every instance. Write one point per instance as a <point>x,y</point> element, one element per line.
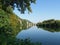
<point>21,5</point>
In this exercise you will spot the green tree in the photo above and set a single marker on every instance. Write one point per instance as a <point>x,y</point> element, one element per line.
<point>21,5</point>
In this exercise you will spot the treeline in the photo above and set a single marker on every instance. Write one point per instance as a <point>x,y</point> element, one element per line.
<point>49,23</point>
<point>10,26</point>
<point>11,23</point>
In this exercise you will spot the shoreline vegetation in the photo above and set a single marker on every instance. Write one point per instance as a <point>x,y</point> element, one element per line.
<point>11,23</point>
<point>10,26</point>
<point>50,25</point>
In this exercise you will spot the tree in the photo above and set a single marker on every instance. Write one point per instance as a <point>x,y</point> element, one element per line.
<point>21,5</point>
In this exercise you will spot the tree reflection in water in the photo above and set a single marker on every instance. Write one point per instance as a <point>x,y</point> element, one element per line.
<point>51,29</point>
<point>7,38</point>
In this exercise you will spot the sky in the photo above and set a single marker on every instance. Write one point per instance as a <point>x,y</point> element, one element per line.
<point>42,10</point>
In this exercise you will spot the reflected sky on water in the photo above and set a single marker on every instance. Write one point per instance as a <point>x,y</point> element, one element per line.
<point>40,35</point>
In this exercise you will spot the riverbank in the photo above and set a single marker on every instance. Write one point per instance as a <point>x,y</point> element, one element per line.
<point>10,25</point>
<point>49,23</point>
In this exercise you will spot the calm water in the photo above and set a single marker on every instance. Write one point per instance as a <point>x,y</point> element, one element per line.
<point>40,35</point>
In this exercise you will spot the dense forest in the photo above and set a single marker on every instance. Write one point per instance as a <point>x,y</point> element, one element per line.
<point>49,23</point>
<point>11,24</point>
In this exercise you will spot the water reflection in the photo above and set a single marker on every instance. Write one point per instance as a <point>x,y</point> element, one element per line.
<point>25,27</point>
<point>50,29</point>
<point>8,38</point>
<point>45,36</point>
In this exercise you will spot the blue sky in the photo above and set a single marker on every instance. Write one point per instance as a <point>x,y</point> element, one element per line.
<point>42,10</point>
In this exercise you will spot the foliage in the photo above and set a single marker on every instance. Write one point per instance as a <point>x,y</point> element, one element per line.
<point>14,41</point>
<point>21,5</point>
<point>9,27</point>
<point>50,29</point>
<point>9,10</point>
<point>49,24</point>
<point>12,21</point>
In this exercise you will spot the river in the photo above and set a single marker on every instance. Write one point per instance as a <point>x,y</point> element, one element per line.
<point>44,36</point>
